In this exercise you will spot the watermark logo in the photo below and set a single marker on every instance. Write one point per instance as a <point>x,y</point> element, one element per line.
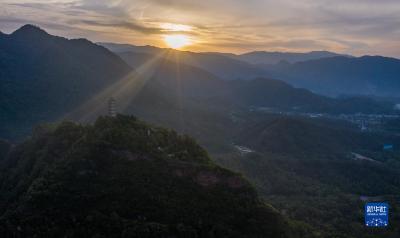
<point>376,214</point>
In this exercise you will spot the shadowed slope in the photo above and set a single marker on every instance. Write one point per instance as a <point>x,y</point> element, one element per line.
<point>123,178</point>
<point>42,76</point>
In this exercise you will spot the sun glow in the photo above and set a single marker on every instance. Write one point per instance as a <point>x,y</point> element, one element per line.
<point>177,41</point>
<point>175,27</point>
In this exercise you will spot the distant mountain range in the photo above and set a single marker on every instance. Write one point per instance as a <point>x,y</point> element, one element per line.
<point>255,57</point>
<point>367,75</point>
<point>218,64</point>
<point>44,77</point>
<point>322,72</point>
<point>197,84</point>
<point>265,58</point>
<point>259,91</point>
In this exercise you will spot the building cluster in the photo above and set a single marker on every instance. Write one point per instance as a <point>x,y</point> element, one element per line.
<point>366,122</point>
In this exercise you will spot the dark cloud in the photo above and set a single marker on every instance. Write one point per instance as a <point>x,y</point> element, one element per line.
<point>17,22</point>
<point>128,25</point>
<point>179,4</point>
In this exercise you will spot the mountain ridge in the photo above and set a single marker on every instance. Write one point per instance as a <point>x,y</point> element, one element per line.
<point>366,75</point>
<point>317,54</point>
<point>270,58</point>
<point>322,72</point>
<point>52,73</point>
<point>224,67</point>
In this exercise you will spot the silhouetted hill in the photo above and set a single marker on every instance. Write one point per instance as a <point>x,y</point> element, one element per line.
<point>29,32</point>
<point>264,57</point>
<point>123,178</point>
<point>43,76</point>
<point>367,75</point>
<point>220,65</point>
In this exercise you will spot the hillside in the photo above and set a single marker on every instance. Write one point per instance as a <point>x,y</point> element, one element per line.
<point>43,76</point>
<point>329,195</point>
<point>305,168</point>
<point>309,138</point>
<point>367,75</point>
<point>123,178</point>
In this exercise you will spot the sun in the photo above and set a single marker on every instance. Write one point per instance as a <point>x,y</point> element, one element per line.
<point>177,41</point>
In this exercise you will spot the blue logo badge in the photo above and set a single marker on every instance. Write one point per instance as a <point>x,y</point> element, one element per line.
<point>376,214</point>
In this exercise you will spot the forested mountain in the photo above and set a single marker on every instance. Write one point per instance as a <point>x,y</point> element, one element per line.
<point>123,178</point>
<point>367,75</point>
<point>42,76</point>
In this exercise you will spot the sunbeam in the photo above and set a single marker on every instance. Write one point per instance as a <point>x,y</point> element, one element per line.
<point>123,91</point>
<point>179,91</point>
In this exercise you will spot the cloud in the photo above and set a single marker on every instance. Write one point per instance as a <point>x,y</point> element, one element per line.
<point>128,25</point>
<point>353,26</point>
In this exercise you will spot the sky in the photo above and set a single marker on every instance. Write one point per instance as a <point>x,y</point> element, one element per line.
<point>358,27</point>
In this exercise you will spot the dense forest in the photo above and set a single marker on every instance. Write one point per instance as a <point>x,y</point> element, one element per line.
<point>123,178</point>
<point>307,170</point>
